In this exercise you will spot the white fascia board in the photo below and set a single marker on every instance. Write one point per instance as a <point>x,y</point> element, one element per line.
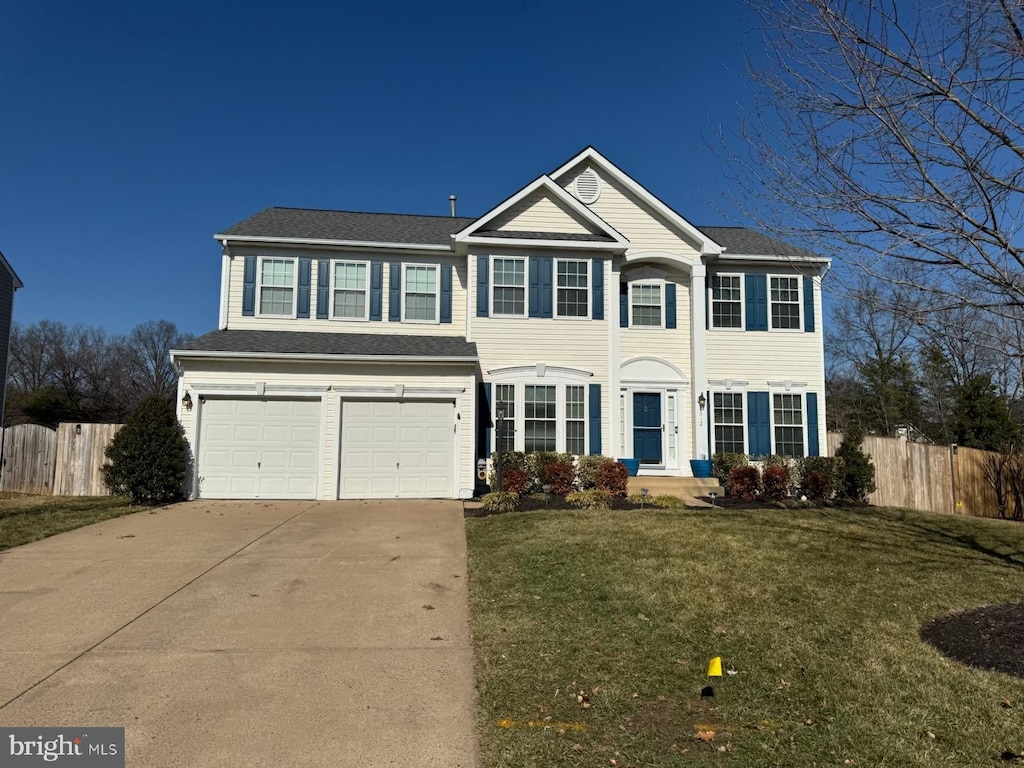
<point>299,241</point>
<point>14,275</point>
<point>547,184</point>
<point>767,258</point>
<point>185,354</point>
<point>575,245</point>
<point>707,245</point>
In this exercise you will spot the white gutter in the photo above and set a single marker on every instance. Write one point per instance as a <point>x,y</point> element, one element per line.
<point>311,357</point>
<point>339,243</point>
<point>584,245</point>
<point>766,258</point>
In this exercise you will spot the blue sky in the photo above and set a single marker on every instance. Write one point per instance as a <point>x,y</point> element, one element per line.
<point>132,132</point>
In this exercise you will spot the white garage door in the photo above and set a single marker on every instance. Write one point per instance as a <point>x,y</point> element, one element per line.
<point>397,449</point>
<point>259,449</point>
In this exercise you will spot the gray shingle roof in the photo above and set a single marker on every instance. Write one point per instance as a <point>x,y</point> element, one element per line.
<point>310,224</point>
<point>341,344</point>
<point>740,241</point>
<point>545,235</point>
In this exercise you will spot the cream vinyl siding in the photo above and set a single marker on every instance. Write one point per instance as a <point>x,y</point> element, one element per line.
<point>238,321</point>
<point>241,375</point>
<point>539,213</point>
<point>644,229</point>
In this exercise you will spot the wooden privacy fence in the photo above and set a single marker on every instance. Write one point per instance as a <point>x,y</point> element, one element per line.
<point>64,462</point>
<point>932,478</point>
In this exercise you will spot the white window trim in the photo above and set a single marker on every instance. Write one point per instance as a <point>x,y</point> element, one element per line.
<point>526,286</point>
<point>772,392</point>
<point>742,392</point>
<point>519,422</point>
<point>743,302</point>
<point>799,303</point>
<point>555,288</point>
<point>295,287</point>
<point>661,284</point>
<point>437,292</point>
<point>332,289</point>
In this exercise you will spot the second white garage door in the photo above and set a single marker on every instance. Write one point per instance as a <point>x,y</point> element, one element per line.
<point>397,449</point>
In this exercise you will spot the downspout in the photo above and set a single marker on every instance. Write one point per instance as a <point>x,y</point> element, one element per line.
<point>225,284</point>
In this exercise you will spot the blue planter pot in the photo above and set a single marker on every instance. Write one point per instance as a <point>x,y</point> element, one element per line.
<point>632,466</point>
<point>700,467</point>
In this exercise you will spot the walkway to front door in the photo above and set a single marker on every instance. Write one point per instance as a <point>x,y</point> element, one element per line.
<point>647,427</point>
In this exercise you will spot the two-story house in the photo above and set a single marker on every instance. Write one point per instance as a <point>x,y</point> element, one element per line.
<point>365,355</point>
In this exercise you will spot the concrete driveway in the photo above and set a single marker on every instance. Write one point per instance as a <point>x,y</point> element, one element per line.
<point>249,634</point>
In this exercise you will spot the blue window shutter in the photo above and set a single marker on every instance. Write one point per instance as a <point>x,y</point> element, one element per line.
<point>376,290</point>
<point>305,274</point>
<point>813,449</point>
<point>323,288</point>
<point>395,294</point>
<point>597,313</point>
<point>756,289</point>
<point>446,293</point>
<point>482,291</point>
<point>489,421</point>
<point>595,418</point>
<point>809,306</point>
<point>249,287</point>
<point>540,286</point>
<point>759,424</point>
<point>670,305</point>
<point>623,305</point>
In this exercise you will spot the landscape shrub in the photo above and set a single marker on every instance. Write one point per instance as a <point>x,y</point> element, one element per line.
<point>722,465</point>
<point>817,486</point>
<point>515,481</point>
<point>561,476</point>
<point>858,473</point>
<point>149,456</point>
<point>537,464</point>
<point>509,460</point>
<point>775,480</point>
<point>613,477</point>
<point>823,488</point>
<point>745,482</point>
<point>498,502</point>
<point>668,502</point>
<point>592,498</point>
<point>588,469</point>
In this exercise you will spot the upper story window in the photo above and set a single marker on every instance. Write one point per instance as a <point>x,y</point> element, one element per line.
<point>509,281</point>
<point>788,420</point>
<point>351,283</point>
<point>726,301</point>
<point>728,420</point>
<point>572,288</point>
<point>277,287</point>
<point>645,305</point>
<point>420,302</point>
<point>784,299</point>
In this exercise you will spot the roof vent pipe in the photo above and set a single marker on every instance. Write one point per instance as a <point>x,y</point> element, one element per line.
<point>451,202</point>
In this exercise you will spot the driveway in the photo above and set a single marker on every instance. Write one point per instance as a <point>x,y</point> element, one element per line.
<point>249,634</point>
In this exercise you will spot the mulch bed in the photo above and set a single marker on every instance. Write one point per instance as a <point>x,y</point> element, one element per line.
<point>991,637</point>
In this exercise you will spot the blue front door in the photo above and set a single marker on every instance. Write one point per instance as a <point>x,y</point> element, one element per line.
<point>647,427</point>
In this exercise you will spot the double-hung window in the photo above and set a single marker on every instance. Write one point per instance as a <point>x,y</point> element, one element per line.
<point>726,301</point>
<point>784,298</point>
<point>788,420</point>
<point>505,427</point>
<point>728,421</point>
<point>646,305</point>
<point>572,297</point>
<point>541,417</point>
<point>277,287</point>
<point>540,414</point>
<point>509,281</point>
<point>420,288</point>
<point>575,426</point>
<point>350,287</point>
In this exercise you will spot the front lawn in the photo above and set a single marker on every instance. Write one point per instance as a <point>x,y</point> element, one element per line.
<point>30,518</point>
<point>593,632</point>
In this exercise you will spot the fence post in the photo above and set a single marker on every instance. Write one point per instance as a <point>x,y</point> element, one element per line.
<point>954,466</point>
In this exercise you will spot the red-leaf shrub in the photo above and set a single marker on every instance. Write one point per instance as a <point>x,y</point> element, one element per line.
<point>561,476</point>
<point>744,482</point>
<point>817,486</point>
<point>776,482</point>
<point>613,477</point>
<point>515,481</point>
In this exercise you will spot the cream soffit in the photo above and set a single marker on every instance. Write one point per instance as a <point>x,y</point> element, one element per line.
<point>590,155</point>
<point>545,184</point>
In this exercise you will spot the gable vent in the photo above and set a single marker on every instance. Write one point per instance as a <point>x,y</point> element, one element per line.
<point>588,186</point>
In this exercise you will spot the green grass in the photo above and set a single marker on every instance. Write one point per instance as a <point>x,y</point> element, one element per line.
<point>24,519</point>
<point>816,610</point>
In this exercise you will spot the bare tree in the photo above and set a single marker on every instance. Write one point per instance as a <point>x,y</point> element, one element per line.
<point>149,364</point>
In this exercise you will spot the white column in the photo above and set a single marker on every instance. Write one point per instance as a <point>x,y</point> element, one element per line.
<point>698,302</point>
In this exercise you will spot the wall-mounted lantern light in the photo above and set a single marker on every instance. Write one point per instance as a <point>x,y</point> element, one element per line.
<point>186,402</point>
<point>702,401</point>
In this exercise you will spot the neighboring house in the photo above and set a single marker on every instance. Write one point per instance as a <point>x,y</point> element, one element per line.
<point>367,355</point>
<point>9,283</point>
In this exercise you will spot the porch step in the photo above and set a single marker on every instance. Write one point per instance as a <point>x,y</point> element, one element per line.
<point>684,487</point>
